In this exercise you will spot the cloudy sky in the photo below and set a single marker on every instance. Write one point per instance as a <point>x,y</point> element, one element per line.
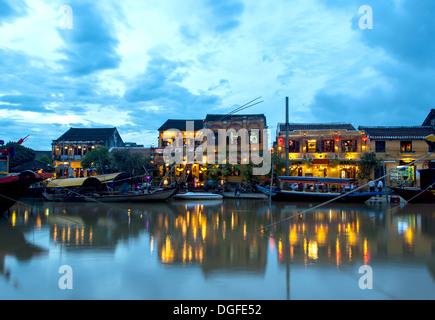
<point>133,64</point>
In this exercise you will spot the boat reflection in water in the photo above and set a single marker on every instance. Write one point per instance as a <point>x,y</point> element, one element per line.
<point>225,249</point>
<point>347,234</point>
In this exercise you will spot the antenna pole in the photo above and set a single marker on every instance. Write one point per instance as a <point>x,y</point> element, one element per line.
<point>287,164</point>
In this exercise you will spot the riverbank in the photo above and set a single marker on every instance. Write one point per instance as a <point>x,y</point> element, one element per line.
<point>387,199</point>
<point>374,200</point>
<point>247,195</point>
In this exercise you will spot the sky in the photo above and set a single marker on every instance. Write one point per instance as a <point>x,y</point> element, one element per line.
<point>133,64</point>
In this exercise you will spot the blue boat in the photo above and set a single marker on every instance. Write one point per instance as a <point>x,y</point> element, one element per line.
<point>317,189</point>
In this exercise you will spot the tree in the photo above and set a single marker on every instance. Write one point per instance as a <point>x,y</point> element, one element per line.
<point>21,154</point>
<point>247,173</point>
<point>99,157</point>
<point>367,163</point>
<point>278,164</point>
<point>45,160</point>
<point>214,171</point>
<point>133,163</point>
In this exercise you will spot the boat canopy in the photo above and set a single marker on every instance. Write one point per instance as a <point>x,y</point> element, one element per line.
<point>317,180</point>
<point>95,181</point>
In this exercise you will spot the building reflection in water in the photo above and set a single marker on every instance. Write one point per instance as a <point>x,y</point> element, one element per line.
<point>216,236</point>
<point>224,236</point>
<point>327,234</point>
<point>353,234</point>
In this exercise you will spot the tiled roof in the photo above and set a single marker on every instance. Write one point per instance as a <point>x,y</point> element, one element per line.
<point>141,150</point>
<point>401,132</point>
<point>430,116</point>
<point>181,125</point>
<point>233,117</point>
<point>87,134</point>
<point>33,165</point>
<point>317,126</point>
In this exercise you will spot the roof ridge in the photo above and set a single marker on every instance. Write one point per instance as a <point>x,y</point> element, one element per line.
<point>317,123</point>
<point>390,127</point>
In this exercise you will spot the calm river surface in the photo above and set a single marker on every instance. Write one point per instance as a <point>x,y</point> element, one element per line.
<point>231,249</point>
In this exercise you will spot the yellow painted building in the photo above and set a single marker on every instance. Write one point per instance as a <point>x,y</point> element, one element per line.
<point>199,172</point>
<point>167,137</point>
<point>69,149</point>
<point>254,124</point>
<point>322,150</point>
<point>402,152</point>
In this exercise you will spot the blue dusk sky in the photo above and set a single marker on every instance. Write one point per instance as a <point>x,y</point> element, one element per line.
<point>133,64</point>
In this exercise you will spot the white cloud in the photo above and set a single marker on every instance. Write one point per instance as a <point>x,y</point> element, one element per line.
<point>36,33</point>
<point>151,58</point>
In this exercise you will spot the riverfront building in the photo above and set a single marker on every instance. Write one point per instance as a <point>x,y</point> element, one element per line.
<point>168,138</point>
<point>335,150</point>
<point>322,150</point>
<point>234,125</point>
<point>208,168</point>
<point>402,152</point>
<point>430,119</point>
<point>69,149</point>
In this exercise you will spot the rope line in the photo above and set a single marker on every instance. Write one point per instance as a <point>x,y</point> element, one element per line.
<point>339,197</point>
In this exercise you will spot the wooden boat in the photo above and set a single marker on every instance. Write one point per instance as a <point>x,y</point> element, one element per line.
<point>76,196</point>
<point>430,140</point>
<point>73,189</point>
<point>98,183</point>
<point>415,195</point>
<point>64,196</point>
<point>13,187</point>
<point>153,196</point>
<point>424,194</point>
<point>103,188</point>
<point>316,189</point>
<point>197,196</point>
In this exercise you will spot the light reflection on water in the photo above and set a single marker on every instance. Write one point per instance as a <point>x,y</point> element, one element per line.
<point>231,249</point>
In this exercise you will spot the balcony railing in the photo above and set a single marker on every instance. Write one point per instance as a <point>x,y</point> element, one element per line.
<point>67,157</point>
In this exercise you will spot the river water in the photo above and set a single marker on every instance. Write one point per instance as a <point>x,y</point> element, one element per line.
<point>231,249</point>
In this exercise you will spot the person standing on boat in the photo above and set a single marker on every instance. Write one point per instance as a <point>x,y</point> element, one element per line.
<point>237,190</point>
<point>145,187</point>
<point>380,186</point>
<point>372,185</point>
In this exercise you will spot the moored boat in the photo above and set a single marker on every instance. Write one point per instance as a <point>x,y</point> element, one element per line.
<point>13,186</point>
<point>424,194</point>
<point>113,187</point>
<point>415,195</point>
<point>317,189</point>
<point>197,196</point>
<point>64,196</point>
<point>155,195</point>
<point>136,196</point>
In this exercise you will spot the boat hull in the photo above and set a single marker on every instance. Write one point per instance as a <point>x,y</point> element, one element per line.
<point>301,196</point>
<point>159,195</point>
<point>12,188</point>
<point>415,195</point>
<point>63,198</point>
<point>197,196</point>
<point>156,196</point>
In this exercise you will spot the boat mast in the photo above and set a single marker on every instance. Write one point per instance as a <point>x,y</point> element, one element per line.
<point>286,139</point>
